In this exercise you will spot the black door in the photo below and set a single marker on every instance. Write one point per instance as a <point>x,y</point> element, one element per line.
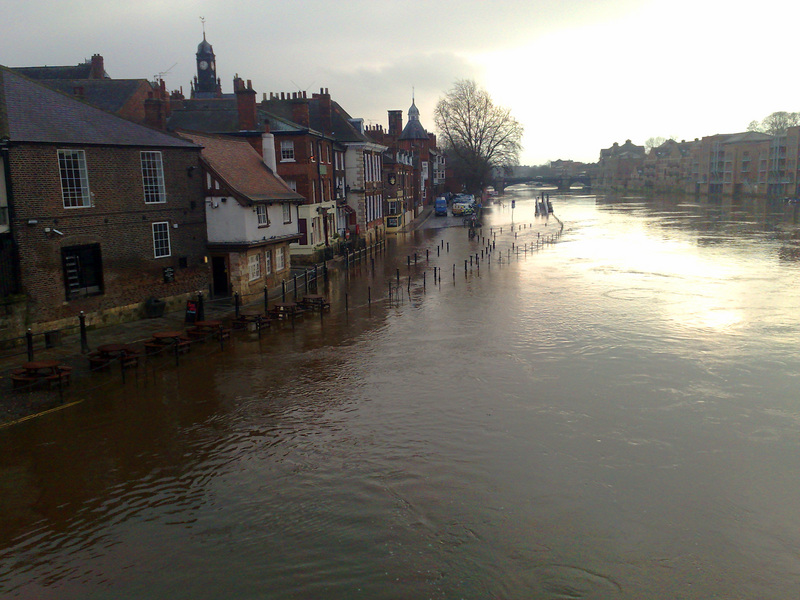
<point>219,272</point>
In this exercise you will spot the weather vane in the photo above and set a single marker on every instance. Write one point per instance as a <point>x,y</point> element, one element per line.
<point>203,21</point>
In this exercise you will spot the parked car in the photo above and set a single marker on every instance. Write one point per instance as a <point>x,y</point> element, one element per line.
<point>440,207</point>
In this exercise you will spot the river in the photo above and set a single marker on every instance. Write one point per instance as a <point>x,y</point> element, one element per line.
<point>614,415</point>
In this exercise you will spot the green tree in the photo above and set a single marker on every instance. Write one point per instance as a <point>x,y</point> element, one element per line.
<point>477,135</point>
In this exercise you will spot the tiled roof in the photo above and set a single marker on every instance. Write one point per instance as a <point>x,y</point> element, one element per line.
<point>242,169</point>
<point>32,112</point>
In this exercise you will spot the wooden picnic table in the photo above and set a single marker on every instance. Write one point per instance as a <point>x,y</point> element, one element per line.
<point>107,353</point>
<point>315,302</point>
<point>208,324</point>
<point>285,310</point>
<point>114,350</point>
<point>40,371</point>
<point>167,337</point>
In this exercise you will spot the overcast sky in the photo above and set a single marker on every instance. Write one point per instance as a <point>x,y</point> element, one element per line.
<point>578,74</point>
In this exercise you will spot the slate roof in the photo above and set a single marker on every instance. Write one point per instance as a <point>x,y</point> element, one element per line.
<point>747,136</point>
<point>31,112</point>
<point>82,71</point>
<point>109,94</point>
<point>236,163</point>
<point>207,115</point>
<point>413,129</point>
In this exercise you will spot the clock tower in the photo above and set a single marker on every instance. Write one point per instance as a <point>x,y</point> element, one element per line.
<point>205,83</point>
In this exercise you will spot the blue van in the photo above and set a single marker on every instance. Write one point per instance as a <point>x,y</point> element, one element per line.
<point>440,207</point>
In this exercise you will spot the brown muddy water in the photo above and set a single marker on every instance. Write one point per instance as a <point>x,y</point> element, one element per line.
<point>612,416</point>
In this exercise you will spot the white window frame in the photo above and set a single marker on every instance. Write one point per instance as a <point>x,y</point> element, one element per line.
<point>287,151</point>
<point>254,266</point>
<point>73,172</point>
<point>153,177</point>
<point>268,262</point>
<point>262,214</point>
<point>160,235</point>
<point>287,212</point>
<point>280,258</point>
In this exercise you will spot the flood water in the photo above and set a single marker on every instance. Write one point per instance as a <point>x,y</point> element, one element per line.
<point>614,415</point>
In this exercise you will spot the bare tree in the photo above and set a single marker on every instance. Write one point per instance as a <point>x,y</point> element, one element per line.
<point>776,124</point>
<point>653,142</point>
<point>478,135</point>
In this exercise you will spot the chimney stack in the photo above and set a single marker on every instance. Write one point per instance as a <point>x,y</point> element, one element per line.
<point>325,113</point>
<point>245,104</point>
<point>154,115</point>
<point>395,122</point>
<point>300,111</point>
<point>97,71</point>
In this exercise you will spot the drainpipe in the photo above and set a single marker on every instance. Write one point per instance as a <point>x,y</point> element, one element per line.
<point>322,193</point>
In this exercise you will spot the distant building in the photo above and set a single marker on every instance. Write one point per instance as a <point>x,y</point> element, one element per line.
<point>620,167</point>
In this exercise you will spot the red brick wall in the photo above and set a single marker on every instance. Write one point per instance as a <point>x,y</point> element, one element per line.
<point>120,222</point>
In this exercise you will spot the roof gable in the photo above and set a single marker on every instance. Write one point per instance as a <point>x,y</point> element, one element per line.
<point>241,168</point>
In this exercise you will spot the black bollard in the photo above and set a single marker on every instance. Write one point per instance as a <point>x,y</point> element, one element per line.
<point>448,246</point>
<point>29,342</point>
<point>398,276</point>
<point>369,295</point>
<point>236,304</point>
<point>295,288</point>
<point>346,303</point>
<point>427,254</point>
<point>437,250</point>
<point>201,309</point>
<point>266,300</point>
<point>283,290</point>
<point>84,340</point>
<point>415,258</point>
<point>423,280</point>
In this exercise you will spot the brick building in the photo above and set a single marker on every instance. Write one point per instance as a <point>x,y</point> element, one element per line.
<point>356,175</point>
<point>102,213</point>
<point>620,167</point>
<point>731,164</point>
<point>667,168</point>
<point>398,176</point>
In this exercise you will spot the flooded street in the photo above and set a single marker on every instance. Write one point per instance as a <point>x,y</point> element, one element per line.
<point>614,415</point>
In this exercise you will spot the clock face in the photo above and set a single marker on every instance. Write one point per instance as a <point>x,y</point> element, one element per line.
<point>203,65</point>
